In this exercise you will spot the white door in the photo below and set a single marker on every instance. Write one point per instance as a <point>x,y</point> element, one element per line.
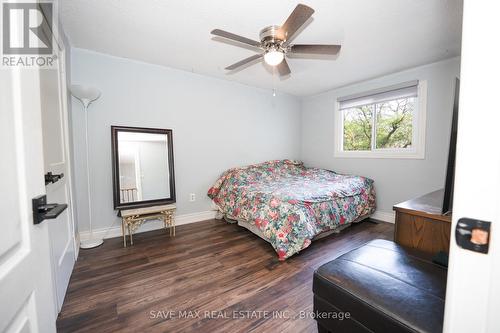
<point>26,290</point>
<point>473,289</point>
<point>55,151</point>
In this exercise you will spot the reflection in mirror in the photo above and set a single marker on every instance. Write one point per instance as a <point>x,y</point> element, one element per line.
<point>143,159</point>
<point>143,170</point>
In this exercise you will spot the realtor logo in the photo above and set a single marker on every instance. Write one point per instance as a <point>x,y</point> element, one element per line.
<point>27,34</point>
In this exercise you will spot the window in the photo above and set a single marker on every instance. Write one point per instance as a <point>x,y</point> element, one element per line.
<point>382,123</point>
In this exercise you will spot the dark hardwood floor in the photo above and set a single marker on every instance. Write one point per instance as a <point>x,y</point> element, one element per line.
<point>209,266</point>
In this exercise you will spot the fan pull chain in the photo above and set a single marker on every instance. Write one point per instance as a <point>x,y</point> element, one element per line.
<point>274,81</point>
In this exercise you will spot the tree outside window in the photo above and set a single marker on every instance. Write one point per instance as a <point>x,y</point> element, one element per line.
<point>384,125</point>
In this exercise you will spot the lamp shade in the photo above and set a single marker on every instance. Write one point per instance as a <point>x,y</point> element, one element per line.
<point>85,94</point>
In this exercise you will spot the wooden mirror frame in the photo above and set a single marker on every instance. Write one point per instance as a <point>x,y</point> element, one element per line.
<point>116,168</point>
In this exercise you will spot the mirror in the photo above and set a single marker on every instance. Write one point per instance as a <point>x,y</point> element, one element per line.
<point>143,167</point>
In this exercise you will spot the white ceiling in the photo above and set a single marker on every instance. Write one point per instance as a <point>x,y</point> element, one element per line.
<point>377,36</point>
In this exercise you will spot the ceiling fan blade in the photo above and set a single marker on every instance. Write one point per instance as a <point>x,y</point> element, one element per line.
<point>315,49</point>
<point>244,62</point>
<point>283,68</point>
<point>229,35</point>
<point>299,16</point>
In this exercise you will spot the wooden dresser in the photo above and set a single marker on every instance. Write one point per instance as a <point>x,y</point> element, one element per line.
<point>420,224</point>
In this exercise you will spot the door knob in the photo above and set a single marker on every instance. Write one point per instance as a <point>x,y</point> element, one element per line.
<point>42,210</point>
<point>472,234</point>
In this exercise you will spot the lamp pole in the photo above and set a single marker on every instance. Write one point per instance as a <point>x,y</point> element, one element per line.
<point>87,95</point>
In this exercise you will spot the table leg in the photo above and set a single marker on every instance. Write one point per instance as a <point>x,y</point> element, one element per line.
<point>123,234</point>
<point>170,226</point>
<point>130,236</point>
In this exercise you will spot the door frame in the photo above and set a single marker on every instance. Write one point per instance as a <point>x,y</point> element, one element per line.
<point>61,53</point>
<point>64,101</point>
<point>473,286</point>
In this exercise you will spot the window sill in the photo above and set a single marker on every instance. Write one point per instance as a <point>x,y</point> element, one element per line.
<point>380,154</point>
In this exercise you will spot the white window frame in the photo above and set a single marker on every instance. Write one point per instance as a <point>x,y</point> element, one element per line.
<point>418,142</point>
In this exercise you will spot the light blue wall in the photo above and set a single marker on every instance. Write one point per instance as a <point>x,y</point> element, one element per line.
<point>217,124</point>
<point>396,180</point>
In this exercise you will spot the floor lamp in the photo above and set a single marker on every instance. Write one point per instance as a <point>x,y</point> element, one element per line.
<point>87,95</point>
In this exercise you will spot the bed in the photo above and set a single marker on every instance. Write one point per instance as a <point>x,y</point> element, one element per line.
<point>289,205</point>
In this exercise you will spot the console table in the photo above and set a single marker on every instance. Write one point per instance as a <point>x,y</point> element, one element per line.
<point>420,224</point>
<point>134,218</point>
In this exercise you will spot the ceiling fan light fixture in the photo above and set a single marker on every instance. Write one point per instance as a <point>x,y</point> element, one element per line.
<point>274,44</point>
<point>273,57</point>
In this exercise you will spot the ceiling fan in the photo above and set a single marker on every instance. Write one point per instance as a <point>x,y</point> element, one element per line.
<point>275,42</point>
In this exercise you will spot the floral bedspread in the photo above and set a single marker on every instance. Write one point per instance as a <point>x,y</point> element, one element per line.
<point>291,204</point>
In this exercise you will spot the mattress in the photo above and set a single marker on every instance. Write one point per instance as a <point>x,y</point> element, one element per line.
<point>251,227</point>
<point>288,204</point>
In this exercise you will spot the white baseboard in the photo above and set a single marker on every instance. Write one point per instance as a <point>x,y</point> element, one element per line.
<point>77,245</point>
<point>116,230</point>
<point>384,216</point>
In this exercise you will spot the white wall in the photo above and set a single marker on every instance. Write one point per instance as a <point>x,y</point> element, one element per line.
<point>217,124</point>
<point>396,180</point>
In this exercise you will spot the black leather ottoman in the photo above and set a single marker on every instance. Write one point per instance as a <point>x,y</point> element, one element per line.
<point>384,287</point>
